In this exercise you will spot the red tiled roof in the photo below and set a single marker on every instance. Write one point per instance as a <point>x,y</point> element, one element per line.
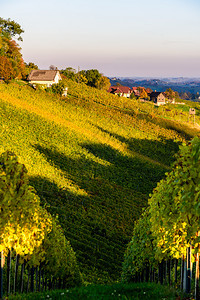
<point>134,88</point>
<point>119,89</point>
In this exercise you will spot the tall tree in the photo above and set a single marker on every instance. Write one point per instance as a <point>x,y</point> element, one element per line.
<point>10,29</point>
<point>9,47</point>
<point>170,94</point>
<point>103,83</point>
<point>69,73</point>
<point>6,69</point>
<point>143,93</point>
<point>93,76</point>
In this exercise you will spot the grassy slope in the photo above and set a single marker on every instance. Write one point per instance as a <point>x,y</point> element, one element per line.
<point>94,158</point>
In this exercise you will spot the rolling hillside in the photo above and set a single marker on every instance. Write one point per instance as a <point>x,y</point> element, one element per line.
<point>93,159</point>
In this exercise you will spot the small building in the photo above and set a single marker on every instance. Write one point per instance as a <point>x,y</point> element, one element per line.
<point>44,77</point>
<point>121,90</point>
<point>135,91</point>
<point>158,98</point>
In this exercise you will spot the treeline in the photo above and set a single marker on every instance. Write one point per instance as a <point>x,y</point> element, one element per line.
<point>91,78</point>
<point>168,230</point>
<point>11,61</point>
<point>30,238</point>
<point>189,96</point>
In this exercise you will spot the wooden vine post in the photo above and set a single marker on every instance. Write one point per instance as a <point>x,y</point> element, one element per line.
<point>188,271</point>
<point>8,271</point>
<point>197,291</point>
<point>1,274</point>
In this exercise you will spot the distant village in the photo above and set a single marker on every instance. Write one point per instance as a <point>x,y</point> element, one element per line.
<point>144,94</point>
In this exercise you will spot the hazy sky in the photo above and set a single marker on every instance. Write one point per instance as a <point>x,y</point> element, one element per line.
<point>118,37</point>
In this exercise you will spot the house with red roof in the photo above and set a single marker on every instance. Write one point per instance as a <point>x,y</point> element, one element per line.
<point>123,91</point>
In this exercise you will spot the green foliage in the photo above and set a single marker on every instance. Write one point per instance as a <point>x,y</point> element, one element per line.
<point>11,50</point>
<point>103,83</point>
<point>170,94</point>
<point>57,88</point>
<point>174,205</point>
<point>23,221</point>
<point>56,257</point>
<point>172,221</point>
<point>69,73</point>
<point>60,259</point>
<point>10,28</point>
<point>92,77</point>
<point>140,252</point>
<point>29,67</point>
<point>136,291</point>
<point>28,229</point>
<point>132,96</point>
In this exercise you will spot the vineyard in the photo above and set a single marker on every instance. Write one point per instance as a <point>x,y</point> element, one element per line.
<point>166,237</point>
<point>93,159</point>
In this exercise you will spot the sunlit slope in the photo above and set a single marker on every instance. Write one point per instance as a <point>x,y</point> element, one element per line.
<point>93,158</point>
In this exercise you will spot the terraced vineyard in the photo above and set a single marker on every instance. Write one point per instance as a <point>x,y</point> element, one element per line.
<point>93,159</point>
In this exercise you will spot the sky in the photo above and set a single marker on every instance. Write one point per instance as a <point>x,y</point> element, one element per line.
<point>122,38</point>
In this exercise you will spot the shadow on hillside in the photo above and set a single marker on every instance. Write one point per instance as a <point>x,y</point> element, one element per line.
<point>115,186</point>
<point>132,173</point>
<point>162,151</point>
<point>98,222</point>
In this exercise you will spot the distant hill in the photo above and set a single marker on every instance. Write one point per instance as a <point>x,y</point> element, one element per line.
<point>191,85</point>
<point>93,159</point>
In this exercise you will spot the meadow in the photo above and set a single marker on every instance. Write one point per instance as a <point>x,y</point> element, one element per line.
<point>93,159</point>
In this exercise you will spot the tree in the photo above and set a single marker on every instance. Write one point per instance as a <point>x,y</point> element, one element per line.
<point>132,96</point>
<point>9,48</point>
<point>23,222</point>
<point>58,88</point>
<point>149,91</point>
<point>10,29</point>
<point>29,67</point>
<point>140,253</point>
<point>170,94</point>
<point>6,69</point>
<point>175,209</point>
<point>103,83</point>
<point>81,77</point>
<point>143,93</point>
<point>69,73</point>
<point>15,57</point>
<point>92,77</point>
<point>177,95</point>
<point>57,257</point>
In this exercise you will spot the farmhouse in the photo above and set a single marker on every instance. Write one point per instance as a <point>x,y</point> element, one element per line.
<point>158,98</point>
<point>44,77</point>
<point>124,91</point>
